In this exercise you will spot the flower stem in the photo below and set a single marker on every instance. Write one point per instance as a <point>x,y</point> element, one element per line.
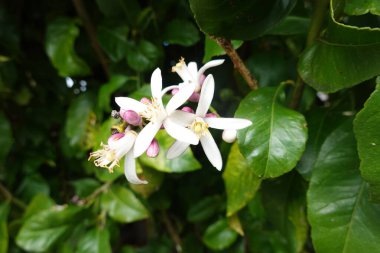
<point>237,61</point>
<point>88,200</point>
<point>9,197</point>
<point>172,232</point>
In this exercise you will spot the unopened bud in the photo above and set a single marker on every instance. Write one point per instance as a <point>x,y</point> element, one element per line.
<point>145,100</point>
<point>175,91</point>
<point>229,135</point>
<point>153,149</point>
<point>131,117</point>
<point>211,115</point>
<point>187,109</point>
<point>194,97</point>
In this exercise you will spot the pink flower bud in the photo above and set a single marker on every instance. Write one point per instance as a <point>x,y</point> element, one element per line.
<point>131,117</point>
<point>211,115</point>
<point>145,100</point>
<point>175,91</point>
<point>194,97</point>
<point>187,109</point>
<point>153,149</point>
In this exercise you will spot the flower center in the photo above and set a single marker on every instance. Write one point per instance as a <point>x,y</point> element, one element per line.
<point>105,157</point>
<point>154,111</point>
<point>199,127</point>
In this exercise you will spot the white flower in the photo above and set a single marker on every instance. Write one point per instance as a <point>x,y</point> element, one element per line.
<point>118,146</point>
<point>190,74</point>
<point>199,124</point>
<point>158,115</point>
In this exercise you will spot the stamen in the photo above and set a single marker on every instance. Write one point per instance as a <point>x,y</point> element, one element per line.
<point>199,127</point>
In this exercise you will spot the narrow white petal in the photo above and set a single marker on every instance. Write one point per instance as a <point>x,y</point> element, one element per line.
<point>211,150</point>
<point>177,149</point>
<point>130,170</point>
<point>180,133</point>
<point>180,98</point>
<point>125,144</point>
<point>208,65</point>
<point>206,97</point>
<point>193,69</point>
<point>227,123</point>
<point>182,118</point>
<point>127,103</point>
<point>145,137</point>
<point>156,84</point>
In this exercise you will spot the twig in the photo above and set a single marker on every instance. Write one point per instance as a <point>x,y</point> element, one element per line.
<point>81,10</point>
<point>172,232</point>
<point>98,191</point>
<point>8,196</point>
<point>237,61</point>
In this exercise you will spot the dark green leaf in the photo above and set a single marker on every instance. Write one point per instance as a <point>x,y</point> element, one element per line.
<point>39,203</point>
<point>106,90</point>
<point>4,237</point>
<point>153,177</point>
<point>360,7</point>
<point>85,186</point>
<point>339,211</point>
<point>143,55</point>
<point>6,139</point>
<point>291,25</point>
<point>114,41</point>
<point>240,180</point>
<point>122,205</point>
<point>185,163</point>
<point>96,240</point>
<point>204,209</point>
<point>60,37</point>
<point>181,32</point>
<point>44,229</point>
<point>213,49</point>
<point>241,20</point>
<point>122,9</point>
<point>367,133</point>
<point>219,235</point>
<point>276,139</point>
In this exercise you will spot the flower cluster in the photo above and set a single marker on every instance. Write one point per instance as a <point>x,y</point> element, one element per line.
<point>143,119</point>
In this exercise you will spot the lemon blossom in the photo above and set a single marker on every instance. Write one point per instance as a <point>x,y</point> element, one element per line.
<point>157,114</point>
<point>199,124</point>
<point>119,146</point>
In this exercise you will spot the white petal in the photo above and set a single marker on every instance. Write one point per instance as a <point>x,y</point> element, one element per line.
<point>123,145</point>
<point>181,97</point>
<point>156,84</point>
<point>130,170</point>
<point>227,123</point>
<point>145,137</point>
<point>177,149</point>
<point>211,150</point>
<point>229,135</point>
<point>182,118</point>
<point>130,104</point>
<point>208,65</point>
<point>193,69</point>
<point>206,97</point>
<point>180,133</point>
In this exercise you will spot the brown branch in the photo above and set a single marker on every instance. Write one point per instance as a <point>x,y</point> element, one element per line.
<point>90,29</point>
<point>237,61</point>
<point>172,232</point>
<point>8,196</point>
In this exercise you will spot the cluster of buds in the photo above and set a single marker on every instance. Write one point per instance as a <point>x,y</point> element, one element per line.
<point>143,119</point>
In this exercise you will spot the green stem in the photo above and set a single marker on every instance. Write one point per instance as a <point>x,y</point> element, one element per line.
<point>9,197</point>
<point>320,8</point>
<point>97,192</point>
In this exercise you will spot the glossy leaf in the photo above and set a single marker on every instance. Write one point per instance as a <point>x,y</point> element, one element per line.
<point>360,7</point>
<point>4,236</point>
<point>219,235</point>
<point>42,230</point>
<point>340,213</point>
<point>213,49</point>
<point>291,25</point>
<point>122,205</point>
<point>241,20</point>
<point>331,63</point>
<point>204,209</point>
<point>96,240</point>
<point>184,163</point>
<point>60,37</point>
<point>6,139</point>
<point>143,55</point>
<point>40,202</point>
<point>85,186</point>
<point>106,90</point>
<point>367,133</point>
<point>181,32</point>
<point>276,139</point>
<point>240,181</point>
<point>114,41</point>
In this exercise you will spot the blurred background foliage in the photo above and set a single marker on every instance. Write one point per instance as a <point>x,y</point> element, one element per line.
<point>63,62</point>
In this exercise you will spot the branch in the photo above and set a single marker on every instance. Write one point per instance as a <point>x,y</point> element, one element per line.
<point>237,61</point>
<point>8,196</point>
<point>82,13</point>
<point>172,232</point>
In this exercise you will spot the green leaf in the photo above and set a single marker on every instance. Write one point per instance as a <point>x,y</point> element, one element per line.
<point>60,38</point>
<point>204,209</point>
<point>6,140</point>
<point>122,205</point>
<point>366,126</point>
<point>107,89</point>
<point>181,32</point>
<point>241,20</point>
<point>96,240</point>
<point>114,41</point>
<point>219,235</point>
<point>360,7</point>
<point>339,211</point>
<point>291,25</point>
<point>125,10</point>
<point>240,180</point>
<point>343,57</point>
<point>276,139</point>
<point>213,49</point>
<point>154,178</point>
<point>40,202</point>
<point>42,230</point>
<point>4,237</point>
<point>85,186</point>
<point>143,55</point>
<point>185,163</point>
